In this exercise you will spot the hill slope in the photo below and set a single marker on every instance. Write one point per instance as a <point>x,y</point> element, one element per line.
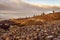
<point>36,20</point>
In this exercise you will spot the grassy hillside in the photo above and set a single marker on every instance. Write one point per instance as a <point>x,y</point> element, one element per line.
<point>38,20</point>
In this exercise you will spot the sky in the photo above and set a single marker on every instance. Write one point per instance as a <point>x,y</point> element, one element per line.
<point>45,2</point>
<point>17,4</point>
<point>25,8</point>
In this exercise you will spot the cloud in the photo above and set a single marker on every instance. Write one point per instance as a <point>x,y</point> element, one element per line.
<point>20,5</point>
<point>19,8</point>
<point>4,7</point>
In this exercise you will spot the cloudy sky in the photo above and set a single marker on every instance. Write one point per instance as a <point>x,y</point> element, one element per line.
<point>16,5</point>
<point>23,8</point>
<point>45,2</point>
